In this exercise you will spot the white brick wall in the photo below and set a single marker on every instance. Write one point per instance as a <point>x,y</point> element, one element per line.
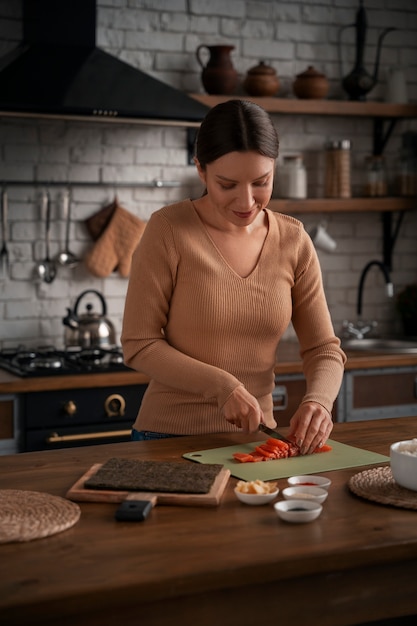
<point>160,37</point>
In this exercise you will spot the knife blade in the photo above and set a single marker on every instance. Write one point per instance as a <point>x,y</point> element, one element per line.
<point>274,433</point>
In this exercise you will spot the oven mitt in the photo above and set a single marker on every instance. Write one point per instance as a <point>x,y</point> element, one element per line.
<point>96,224</point>
<point>115,246</point>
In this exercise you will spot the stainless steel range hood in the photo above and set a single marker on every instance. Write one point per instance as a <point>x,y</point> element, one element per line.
<point>58,70</point>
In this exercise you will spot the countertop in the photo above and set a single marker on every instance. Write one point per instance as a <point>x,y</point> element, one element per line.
<point>231,564</point>
<point>288,362</point>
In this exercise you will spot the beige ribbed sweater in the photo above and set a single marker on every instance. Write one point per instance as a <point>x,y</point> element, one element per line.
<point>198,329</point>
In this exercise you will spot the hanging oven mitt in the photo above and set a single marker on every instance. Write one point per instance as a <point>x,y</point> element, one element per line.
<point>96,224</point>
<point>116,244</point>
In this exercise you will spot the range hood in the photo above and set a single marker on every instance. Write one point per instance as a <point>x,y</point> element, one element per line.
<point>58,70</point>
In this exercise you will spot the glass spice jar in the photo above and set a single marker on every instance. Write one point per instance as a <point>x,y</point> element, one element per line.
<point>376,183</point>
<point>337,182</point>
<point>406,175</point>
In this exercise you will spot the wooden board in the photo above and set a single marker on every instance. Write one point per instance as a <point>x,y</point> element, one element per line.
<point>80,494</point>
<point>340,457</point>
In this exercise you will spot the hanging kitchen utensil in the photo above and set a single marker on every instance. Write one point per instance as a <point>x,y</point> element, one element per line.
<point>66,257</point>
<point>46,269</point>
<point>89,330</point>
<point>4,252</point>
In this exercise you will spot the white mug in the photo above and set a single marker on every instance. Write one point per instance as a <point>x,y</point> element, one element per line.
<point>322,239</point>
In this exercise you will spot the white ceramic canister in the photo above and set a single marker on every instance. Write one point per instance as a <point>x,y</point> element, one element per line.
<point>396,86</point>
<point>292,177</point>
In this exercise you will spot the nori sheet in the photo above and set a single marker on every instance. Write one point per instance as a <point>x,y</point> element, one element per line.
<point>119,474</point>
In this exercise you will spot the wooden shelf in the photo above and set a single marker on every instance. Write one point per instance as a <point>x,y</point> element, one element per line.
<point>348,205</point>
<point>318,107</point>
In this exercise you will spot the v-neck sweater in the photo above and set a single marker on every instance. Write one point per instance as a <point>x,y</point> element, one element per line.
<point>198,330</point>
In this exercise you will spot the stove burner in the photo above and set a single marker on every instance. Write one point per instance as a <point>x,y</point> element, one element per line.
<point>46,360</point>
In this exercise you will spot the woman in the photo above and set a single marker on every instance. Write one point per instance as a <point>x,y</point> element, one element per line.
<point>213,286</point>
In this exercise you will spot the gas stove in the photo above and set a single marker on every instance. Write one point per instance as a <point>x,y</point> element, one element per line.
<point>48,361</point>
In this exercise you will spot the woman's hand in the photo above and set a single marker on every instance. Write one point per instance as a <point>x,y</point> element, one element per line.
<point>310,426</point>
<point>242,409</point>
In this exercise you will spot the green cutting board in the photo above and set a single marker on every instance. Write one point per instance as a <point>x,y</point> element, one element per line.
<point>340,456</point>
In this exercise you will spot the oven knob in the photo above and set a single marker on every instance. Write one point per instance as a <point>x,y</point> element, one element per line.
<point>114,405</point>
<point>70,408</point>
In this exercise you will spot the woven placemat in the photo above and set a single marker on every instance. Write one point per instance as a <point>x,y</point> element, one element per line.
<point>27,515</point>
<point>377,484</point>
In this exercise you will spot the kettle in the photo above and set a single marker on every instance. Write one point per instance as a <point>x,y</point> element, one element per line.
<point>90,329</point>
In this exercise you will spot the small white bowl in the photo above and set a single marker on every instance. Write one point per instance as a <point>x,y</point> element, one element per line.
<point>300,492</point>
<point>403,460</point>
<point>298,511</point>
<point>310,481</point>
<point>254,499</point>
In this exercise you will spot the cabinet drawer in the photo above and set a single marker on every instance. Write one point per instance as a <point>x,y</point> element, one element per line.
<point>385,390</point>
<point>287,395</point>
<point>9,431</point>
<point>380,393</point>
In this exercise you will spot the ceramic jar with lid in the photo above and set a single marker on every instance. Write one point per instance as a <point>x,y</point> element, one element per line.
<point>311,84</point>
<point>261,80</point>
<point>292,177</point>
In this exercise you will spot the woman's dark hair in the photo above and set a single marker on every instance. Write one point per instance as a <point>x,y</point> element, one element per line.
<point>236,126</point>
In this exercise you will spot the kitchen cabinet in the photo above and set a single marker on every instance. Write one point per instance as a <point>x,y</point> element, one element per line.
<point>370,394</point>
<point>8,424</point>
<point>380,112</point>
<point>374,385</point>
<point>287,395</point>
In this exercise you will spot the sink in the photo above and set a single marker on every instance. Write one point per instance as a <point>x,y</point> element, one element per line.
<point>393,346</point>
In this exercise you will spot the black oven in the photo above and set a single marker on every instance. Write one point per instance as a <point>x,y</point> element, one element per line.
<point>78,417</point>
<point>65,418</point>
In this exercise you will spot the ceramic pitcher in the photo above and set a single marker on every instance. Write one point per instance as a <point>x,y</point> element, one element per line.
<point>218,75</point>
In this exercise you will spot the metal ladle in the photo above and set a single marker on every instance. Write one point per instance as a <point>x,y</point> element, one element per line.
<point>46,269</point>
<point>66,257</point>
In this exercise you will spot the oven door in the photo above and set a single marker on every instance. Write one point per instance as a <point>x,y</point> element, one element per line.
<point>50,439</point>
<point>78,417</point>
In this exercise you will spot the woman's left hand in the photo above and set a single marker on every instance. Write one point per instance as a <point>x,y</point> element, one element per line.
<point>310,427</point>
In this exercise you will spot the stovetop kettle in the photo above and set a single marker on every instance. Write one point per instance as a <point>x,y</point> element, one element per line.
<point>90,329</point>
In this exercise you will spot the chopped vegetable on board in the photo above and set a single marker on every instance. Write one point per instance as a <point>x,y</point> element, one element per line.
<point>273,449</point>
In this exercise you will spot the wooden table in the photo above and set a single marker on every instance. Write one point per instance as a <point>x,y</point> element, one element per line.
<point>229,565</point>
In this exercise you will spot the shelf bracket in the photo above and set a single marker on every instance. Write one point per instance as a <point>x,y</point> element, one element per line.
<point>381,138</point>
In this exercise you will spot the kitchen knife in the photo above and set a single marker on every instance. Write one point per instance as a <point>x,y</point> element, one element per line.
<point>274,433</point>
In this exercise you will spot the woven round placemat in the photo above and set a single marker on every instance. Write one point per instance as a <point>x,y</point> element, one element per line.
<point>377,484</point>
<point>27,515</point>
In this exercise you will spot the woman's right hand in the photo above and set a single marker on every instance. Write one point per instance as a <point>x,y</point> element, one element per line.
<point>242,409</point>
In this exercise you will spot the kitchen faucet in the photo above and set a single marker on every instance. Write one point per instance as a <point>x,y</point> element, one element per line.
<point>361,328</point>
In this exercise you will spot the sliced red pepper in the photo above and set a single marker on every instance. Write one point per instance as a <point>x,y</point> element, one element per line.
<point>243,457</point>
<point>261,450</point>
<point>277,443</point>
